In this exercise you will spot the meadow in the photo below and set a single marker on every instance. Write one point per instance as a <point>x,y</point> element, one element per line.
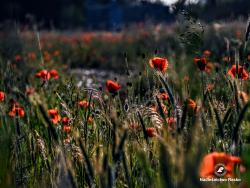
<point>177,105</point>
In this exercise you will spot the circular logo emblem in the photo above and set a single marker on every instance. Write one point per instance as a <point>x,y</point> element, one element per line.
<point>220,170</point>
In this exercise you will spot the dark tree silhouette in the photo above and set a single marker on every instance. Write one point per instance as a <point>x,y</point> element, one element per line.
<point>74,13</point>
<point>61,13</point>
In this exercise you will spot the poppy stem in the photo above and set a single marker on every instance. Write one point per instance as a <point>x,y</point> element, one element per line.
<point>39,46</point>
<point>202,85</point>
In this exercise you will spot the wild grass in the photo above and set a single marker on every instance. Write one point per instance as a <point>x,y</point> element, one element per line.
<point>108,144</point>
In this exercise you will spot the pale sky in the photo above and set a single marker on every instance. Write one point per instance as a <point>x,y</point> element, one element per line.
<point>169,2</point>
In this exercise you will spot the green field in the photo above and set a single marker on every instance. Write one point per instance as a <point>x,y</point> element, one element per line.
<point>175,106</point>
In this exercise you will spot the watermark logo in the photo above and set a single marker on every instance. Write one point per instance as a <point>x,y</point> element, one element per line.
<point>220,170</point>
<point>219,175</point>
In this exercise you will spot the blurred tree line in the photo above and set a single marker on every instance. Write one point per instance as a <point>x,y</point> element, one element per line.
<point>59,13</point>
<point>72,13</point>
<point>211,10</point>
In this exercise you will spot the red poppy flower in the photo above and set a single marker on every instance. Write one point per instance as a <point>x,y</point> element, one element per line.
<point>210,87</point>
<point>112,86</point>
<point>16,110</point>
<point>206,53</point>
<point>201,63</point>
<point>83,103</point>
<point>191,104</point>
<point>65,120</point>
<point>43,74</point>
<point>171,122</point>
<point>243,96</point>
<point>54,74</point>
<point>209,162</point>
<point>164,96</point>
<point>66,128</point>
<point>29,91</point>
<point>56,53</point>
<point>32,56</point>
<point>18,58</point>
<point>209,67</point>
<point>241,73</point>
<point>54,115</point>
<point>90,120</point>
<point>151,132</point>
<point>2,96</point>
<point>46,56</point>
<point>159,63</point>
